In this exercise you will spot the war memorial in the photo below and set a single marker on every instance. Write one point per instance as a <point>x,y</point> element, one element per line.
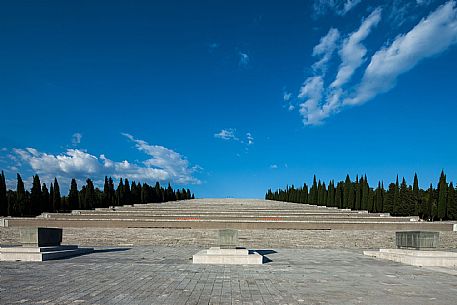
<point>226,251</point>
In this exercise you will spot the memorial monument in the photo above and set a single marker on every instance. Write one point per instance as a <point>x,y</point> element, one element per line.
<point>40,244</point>
<point>227,252</point>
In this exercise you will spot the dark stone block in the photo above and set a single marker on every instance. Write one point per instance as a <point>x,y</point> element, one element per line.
<point>41,237</point>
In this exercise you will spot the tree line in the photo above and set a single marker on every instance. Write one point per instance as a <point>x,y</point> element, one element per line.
<point>400,199</point>
<point>39,199</point>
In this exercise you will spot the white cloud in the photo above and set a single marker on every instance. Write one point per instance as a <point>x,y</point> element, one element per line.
<point>353,51</point>
<point>249,138</point>
<point>274,166</point>
<point>339,7</point>
<point>349,5</point>
<point>311,94</point>
<point>164,165</point>
<point>318,102</point>
<point>431,36</point>
<point>287,96</point>
<point>227,134</point>
<point>244,59</point>
<point>76,138</point>
<point>325,49</point>
<point>166,160</point>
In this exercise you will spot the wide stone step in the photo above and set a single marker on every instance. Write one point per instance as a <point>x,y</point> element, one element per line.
<point>187,217</point>
<point>233,224</point>
<point>38,255</point>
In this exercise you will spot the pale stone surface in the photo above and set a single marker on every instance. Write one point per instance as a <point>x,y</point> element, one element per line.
<point>39,254</point>
<point>227,257</point>
<point>165,275</point>
<point>417,257</point>
<point>219,251</point>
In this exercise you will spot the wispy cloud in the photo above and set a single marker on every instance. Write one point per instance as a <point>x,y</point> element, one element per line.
<point>274,166</point>
<point>431,36</point>
<point>339,7</point>
<point>230,134</point>
<point>353,52</point>
<point>226,134</point>
<point>163,165</point>
<point>243,59</point>
<point>325,49</point>
<point>249,138</point>
<point>76,138</point>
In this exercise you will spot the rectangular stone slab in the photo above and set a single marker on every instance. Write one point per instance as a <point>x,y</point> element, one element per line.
<point>203,257</point>
<point>40,237</point>
<point>417,239</point>
<point>228,238</point>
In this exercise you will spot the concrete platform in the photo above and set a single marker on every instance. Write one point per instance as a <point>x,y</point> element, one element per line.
<point>417,257</point>
<point>216,255</point>
<point>39,254</point>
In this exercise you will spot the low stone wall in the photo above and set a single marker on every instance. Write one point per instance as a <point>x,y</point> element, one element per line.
<point>254,239</point>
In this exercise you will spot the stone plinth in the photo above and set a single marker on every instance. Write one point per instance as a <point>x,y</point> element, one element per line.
<point>40,244</point>
<point>40,237</point>
<point>217,255</point>
<point>417,240</point>
<point>417,257</point>
<point>39,254</point>
<point>227,252</point>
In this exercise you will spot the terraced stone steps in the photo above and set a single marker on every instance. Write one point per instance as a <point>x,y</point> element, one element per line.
<point>230,213</point>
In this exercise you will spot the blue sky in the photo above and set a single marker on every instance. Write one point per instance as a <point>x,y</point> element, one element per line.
<point>228,98</point>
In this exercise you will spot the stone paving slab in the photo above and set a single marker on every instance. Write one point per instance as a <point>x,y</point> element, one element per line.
<point>166,275</point>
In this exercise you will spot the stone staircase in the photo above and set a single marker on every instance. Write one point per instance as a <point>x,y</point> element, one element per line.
<point>229,213</point>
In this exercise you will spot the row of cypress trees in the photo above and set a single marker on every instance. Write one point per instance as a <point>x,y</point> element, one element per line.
<point>39,199</point>
<point>400,199</point>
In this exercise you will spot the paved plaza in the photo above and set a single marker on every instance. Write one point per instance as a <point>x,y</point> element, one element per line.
<point>166,275</point>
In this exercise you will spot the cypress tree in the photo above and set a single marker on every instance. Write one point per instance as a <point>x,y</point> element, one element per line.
<point>320,194</point>
<point>366,204</point>
<point>3,198</point>
<point>11,197</point>
<point>429,211</point>
<point>106,195</point>
<point>451,203</point>
<point>56,200</point>
<point>73,195</point>
<point>358,193</point>
<point>90,195</point>
<point>405,206</point>
<point>442,197</point>
<point>44,198</point>
<point>331,194</point>
<point>416,197</point>
<point>339,195</point>
<point>51,198</point>
<point>120,193</point>
<point>127,193</point>
<point>36,196</point>
<point>21,197</point>
<point>396,198</point>
<point>112,192</point>
<point>379,201</point>
<point>347,189</point>
<point>313,192</point>
<point>351,197</point>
